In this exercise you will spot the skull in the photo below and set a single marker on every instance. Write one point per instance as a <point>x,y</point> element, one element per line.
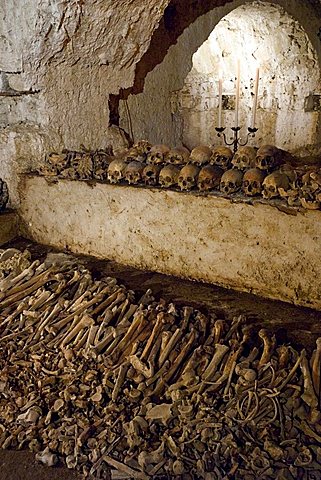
<point>151,174</point>
<point>244,158</point>
<point>310,190</point>
<point>83,166</point>
<point>168,176</point>
<point>157,154</point>
<point>188,177</point>
<point>133,172</point>
<point>209,177</point>
<point>116,170</point>
<point>143,147</point>
<point>231,181</point>
<point>268,157</point>
<point>252,182</point>
<point>4,194</point>
<point>134,154</point>
<point>273,182</point>
<point>222,156</point>
<point>201,155</point>
<point>178,156</point>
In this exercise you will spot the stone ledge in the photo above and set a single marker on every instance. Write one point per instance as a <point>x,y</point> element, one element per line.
<point>8,226</point>
<point>249,247</point>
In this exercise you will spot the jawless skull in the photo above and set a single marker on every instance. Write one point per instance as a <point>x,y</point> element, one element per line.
<point>168,176</point>
<point>188,177</point>
<point>116,170</point>
<point>273,182</point>
<point>133,172</point>
<point>231,181</point>
<point>209,177</point>
<point>268,158</point>
<point>222,157</point>
<point>178,156</point>
<point>200,155</point>
<point>151,174</point>
<point>244,158</point>
<point>253,182</point>
<point>157,154</point>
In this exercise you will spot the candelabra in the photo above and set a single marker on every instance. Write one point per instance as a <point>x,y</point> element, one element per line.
<point>236,140</point>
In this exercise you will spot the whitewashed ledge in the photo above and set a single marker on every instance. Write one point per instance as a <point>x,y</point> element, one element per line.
<point>248,247</point>
<point>8,226</point>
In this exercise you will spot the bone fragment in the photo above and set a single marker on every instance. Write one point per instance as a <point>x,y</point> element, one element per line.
<point>308,396</point>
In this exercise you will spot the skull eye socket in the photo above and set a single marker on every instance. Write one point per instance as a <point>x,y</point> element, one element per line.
<point>180,179</point>
<point>255,184</point>
<point>149,173</point>
<point>168,179</point>
<point>207,180</point>
<point>230,184</point>
<point>189,179</point>
<point>271,189</point>
<point>246,183</point>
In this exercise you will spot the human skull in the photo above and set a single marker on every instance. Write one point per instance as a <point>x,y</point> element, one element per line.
<point>4,194</point>
<point>133,154</point>
<point>157,154</point>
<point>168,176</point>
<point>231,181</point>
<point>178,156</point>
<point>200,155</point>
<point>116,170</point>
<point>188,177</point>
<point>222,156</point>
<point>143,147</point>
<point>133,172</point>
<point>252,182</point>
<point>209,177</point>
<point>244,158</point>
<point>273,182</point>
<point>268,157</point>
<point>151,174</point>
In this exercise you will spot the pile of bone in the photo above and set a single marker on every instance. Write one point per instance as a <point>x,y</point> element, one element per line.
<point>121,386</point>
<point>4,194</point>
<point>250,171</point>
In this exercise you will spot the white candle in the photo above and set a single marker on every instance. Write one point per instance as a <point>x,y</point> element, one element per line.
<point>237,94</point>
<point>220,97</point>
<point>256,90</point>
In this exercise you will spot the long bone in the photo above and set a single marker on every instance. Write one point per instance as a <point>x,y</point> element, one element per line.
<point>220,351</point>
<point>56,327</point>
<point>308,396</point>
<point>160,321</point>
<point>229,365</point>
<point>268,347</point>
<point>177,335</point>
<point>316,369</point>
<point>84,322</point>
<point>9,282</point>
<point>38,282</point>
<point>176,364</point>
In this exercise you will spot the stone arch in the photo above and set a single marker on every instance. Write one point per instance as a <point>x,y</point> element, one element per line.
<point>154,112</point>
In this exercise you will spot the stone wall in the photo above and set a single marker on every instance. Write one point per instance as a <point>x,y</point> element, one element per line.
<point>294,28</point>
<point>255,248</point>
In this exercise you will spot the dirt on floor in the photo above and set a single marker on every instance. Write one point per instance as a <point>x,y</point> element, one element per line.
<point>298,325</point>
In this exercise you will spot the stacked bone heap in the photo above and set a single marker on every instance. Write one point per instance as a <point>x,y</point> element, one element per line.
<point>267,172</point>
<point>119,385</point>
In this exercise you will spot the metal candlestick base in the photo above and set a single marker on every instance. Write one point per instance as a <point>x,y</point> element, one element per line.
<point>237,141</point>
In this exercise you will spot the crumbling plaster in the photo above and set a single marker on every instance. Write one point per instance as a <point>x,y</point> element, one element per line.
<point>157,101</point>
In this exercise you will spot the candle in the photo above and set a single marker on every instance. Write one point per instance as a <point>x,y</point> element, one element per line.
<point>237,94</point>
<point>256,90</point>
<point>220,96</point>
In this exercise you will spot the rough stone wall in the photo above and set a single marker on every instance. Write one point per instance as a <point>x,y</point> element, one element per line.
<point>158,100</point>
<point>71,55</point>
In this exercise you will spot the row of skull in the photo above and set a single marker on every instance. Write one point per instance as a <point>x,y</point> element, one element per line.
<point>252,182</point>
<point>267,157</point>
